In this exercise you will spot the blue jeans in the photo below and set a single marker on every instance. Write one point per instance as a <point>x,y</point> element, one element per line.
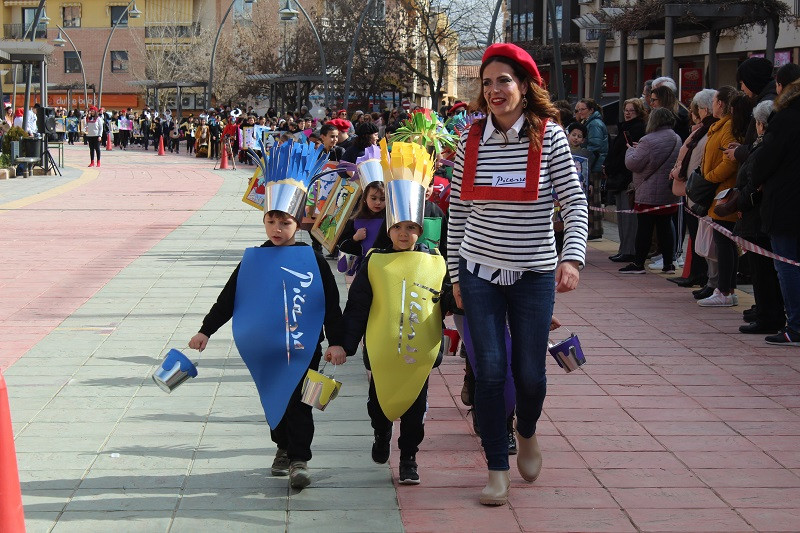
<point>788,246</point>
<point>528,307</point>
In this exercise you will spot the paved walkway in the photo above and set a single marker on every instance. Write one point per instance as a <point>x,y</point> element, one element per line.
<point>677,423</point>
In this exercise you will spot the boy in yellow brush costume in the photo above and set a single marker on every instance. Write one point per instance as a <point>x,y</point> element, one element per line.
<point>395,304</point>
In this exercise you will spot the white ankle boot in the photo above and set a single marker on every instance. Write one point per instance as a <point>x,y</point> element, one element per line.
<point>529,457</point>
<point>496,490</point>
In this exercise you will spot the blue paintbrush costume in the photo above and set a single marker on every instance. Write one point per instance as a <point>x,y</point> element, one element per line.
<point>279,298</point>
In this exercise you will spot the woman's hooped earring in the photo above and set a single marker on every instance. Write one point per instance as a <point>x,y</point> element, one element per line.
<point>524,103</point>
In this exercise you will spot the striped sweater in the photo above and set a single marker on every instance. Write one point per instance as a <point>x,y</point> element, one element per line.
<point>517,236</point>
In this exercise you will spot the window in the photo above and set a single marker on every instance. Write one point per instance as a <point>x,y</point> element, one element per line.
<point>72,64</point>
<point>116,13</point>
<point>71,15</point>
<point>28,14</point>
<point>119,61</point>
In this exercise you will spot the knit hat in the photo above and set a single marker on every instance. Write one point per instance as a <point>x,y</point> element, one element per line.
<point>755,73</point>
<point>366,128</point>
<point>516,54</point>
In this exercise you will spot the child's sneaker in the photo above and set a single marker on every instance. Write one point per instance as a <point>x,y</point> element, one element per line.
<point>380,448</point>
<point>299,476</point>
<point>408,471</point>
<point>786,337</point>
<point>632,268</point>
<point>280,466</point>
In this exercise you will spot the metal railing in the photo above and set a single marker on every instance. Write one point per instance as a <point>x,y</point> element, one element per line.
<point>171,31</point>
<point>17,31</point>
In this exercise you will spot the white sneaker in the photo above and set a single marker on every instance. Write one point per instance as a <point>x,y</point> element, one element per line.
<point>657,264</point>
<point>735,299</point>
<point>717,299</point>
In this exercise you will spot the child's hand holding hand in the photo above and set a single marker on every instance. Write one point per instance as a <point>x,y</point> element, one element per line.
<point>336,355</point>
<point>360,235</point>
<point>198,342</point>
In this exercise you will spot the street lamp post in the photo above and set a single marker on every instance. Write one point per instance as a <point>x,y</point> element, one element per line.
<point>352,53</point>
<point>37,17</point>
<point>288,14</point>
<point>134,14</point>
<point>210,87</point>
<point>59,41</point>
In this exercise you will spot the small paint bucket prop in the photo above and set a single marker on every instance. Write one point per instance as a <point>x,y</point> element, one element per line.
<point>318,389</point>
<point>567,353</point>
<point>175,369</point>
<point>450,340</point>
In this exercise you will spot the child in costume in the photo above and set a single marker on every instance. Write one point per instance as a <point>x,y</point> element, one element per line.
<point>279,297</point>
<point>395,304</point>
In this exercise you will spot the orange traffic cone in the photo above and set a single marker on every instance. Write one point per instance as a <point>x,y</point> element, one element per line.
<point>223,162</point>
<point>109,146</point>
<point>12,517</point>
<point>161,146</point>
<point>687,262</point>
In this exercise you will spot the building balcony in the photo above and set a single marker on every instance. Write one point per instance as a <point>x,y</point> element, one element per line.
<point>171,31</point>
<point>17,31</point>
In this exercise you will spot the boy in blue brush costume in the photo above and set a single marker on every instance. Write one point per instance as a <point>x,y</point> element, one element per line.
<point>279,297</point>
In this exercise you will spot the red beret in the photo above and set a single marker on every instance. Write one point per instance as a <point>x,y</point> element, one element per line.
<point>340,124</point>
<point>341,111</point>
<point>516,54</point>
<point>457,107</point>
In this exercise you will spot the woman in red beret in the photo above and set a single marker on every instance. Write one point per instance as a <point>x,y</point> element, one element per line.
<point>501,249</point>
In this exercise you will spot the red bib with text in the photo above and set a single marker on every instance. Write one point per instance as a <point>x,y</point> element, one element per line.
<point>504,190</point>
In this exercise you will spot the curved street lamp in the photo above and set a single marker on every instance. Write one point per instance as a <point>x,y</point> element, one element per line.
<point>134,14</point>
<point>60,42</point>
<point>288,14</point>
<point>210,87</point>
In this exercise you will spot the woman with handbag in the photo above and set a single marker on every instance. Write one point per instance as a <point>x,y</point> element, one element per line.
<point>650,160</point>
<point>618,177</point>
<point>689,158</point>
<point>717,168</point>
<point>501,252</point>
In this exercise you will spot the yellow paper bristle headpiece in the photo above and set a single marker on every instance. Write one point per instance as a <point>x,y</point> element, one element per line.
<point>387,170</point>
<point>409,161</point>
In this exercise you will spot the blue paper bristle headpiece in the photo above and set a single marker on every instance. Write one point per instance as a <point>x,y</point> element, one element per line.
<point>291,162</point>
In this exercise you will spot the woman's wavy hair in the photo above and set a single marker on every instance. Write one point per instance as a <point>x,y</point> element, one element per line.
<point>725,94</point>
<point>666,97</point>
<point>538,98</point>
<point>741,111</point>
<point>638,106</point>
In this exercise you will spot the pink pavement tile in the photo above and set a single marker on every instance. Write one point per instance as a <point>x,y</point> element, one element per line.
<point>544,520</point>
<point>765,428</point>
<point>559,414</point>
<point>630,379</point>
<point>760,497</point>
<point>687,428</point>
<point>424,497</point>
<point>772,519</point>
<point>615,443</point>
<point>776,443</point>
<point>789,459</point>
<point>448,477</point>
<point>561,477</point>
<point>679,401</point>
<point>587,402</point>
<point>563,497</point>
<point>672,415</point>
<point>474,519</point>
<point>729,402</point>
<point>628,427</point>
<point>575,390</point>
<point>450,443</point>
<point>740,391</point>
<point>757,415</point>
<point>630,460</point>
<point>641,390</point>
<point>633,367</point>
<point>437,459</point>
<point>683,520</point>
<point>666,498</point>
<point>747,477</point>
<point>647,477</point>
<point>727,459</point>
<point>708,443</point>
<point>554,443</point>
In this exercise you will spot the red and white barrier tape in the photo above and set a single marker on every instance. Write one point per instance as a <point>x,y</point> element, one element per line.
<point>634,211</point>
<point>745,244</point>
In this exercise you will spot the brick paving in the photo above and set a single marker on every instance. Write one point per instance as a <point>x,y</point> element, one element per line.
<point>676,423</point>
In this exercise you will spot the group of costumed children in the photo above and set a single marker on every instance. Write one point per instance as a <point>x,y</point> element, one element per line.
<point>282,294</point>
